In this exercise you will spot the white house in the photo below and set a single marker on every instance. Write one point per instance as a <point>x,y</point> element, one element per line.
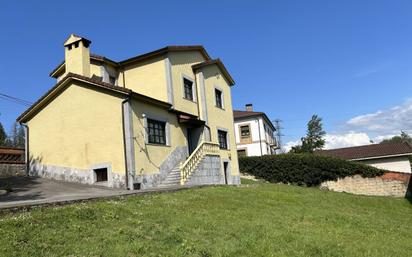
<point>387,156</point>
<point>253,133</point>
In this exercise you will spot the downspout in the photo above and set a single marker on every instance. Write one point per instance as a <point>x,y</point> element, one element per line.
<point>260,139</point>
<point>26,147</point>
<point>127,151</point>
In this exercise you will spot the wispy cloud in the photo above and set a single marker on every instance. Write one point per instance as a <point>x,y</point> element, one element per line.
<point>370,127</point>
<point>365,73</point>
<point>384,122</point>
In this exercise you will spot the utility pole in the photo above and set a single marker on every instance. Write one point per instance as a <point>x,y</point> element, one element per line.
<point>279,134</point>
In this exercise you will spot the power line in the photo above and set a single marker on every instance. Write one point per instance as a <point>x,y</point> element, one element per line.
<point>15,100</point>
<point>279,134</point>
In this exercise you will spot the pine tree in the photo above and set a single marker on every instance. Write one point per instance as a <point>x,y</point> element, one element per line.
<point>16,138</point>
<point>314,137</point>
<point>3,136</point>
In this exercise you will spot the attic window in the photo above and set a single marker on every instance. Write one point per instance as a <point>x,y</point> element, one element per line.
<point>76,44</point>
<point>69,47</point>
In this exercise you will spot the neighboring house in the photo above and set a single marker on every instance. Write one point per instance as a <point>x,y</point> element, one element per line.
<point>158,119</point>
<point>388,156</point>
<point>254,133</point>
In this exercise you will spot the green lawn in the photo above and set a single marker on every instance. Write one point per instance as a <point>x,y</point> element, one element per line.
<point>253,220</point>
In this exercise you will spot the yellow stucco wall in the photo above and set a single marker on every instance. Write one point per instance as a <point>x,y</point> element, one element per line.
<point>181,63</point>
<point>94,69</point>
<point>79,128</point>
<point>147,78</point>
<point>149,157</point>
<point>220,118</point>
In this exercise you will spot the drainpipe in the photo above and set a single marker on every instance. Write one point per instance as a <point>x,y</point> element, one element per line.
<point>26,147</point>
<point>260,139</point>
<point>128,153</point>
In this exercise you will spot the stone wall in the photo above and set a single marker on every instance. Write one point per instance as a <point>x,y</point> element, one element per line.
<point>12,169</point>
<point>208,172</point>
<point>390,184</point>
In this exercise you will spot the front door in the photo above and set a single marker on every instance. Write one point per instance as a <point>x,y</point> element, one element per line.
<point>190,144</point>
<point>225,170</point>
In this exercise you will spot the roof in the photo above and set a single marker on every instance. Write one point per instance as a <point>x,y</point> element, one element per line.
<point>141,57</point>
<point>239,115</point>
<point>369,151</point>
<point>93,57</point>
<point>166,50</point>
<point>219,63</point>
<point>42,101</point>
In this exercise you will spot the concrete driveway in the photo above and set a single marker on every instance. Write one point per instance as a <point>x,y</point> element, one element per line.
<point>32,191</point>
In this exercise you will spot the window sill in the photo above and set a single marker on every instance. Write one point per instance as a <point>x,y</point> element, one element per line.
<point>154,144</point>
<point>221,108</point>
<point>193,101</point>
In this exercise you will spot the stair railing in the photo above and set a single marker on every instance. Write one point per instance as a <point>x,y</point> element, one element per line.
<point>189,166</point>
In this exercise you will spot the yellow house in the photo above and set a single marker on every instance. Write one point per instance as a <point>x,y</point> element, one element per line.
<point>159,119</point>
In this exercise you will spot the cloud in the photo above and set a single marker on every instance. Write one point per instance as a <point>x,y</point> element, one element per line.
<point>363,129</point>
<point>337,141</point>
<point>286,147</point>
<point>365,73</point>
<point>384,122</point>
<point>346,140</point>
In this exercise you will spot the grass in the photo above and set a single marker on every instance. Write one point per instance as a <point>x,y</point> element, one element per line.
<point>254,220</point>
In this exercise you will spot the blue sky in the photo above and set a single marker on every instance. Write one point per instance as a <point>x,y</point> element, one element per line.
<point>348,61</point>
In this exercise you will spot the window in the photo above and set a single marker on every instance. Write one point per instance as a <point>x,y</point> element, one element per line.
<point>241,153</point>
<point>156,132</point>
<point>222,136</point>
<point>101,174</point>
<point>112,80</point>
<point>245,131</point>
<point>188,88</point>
<point>218,95</point>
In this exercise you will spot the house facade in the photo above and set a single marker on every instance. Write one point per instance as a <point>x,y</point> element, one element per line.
<point>388,156</point>
<point>158,119</point>
<point>254,133</point>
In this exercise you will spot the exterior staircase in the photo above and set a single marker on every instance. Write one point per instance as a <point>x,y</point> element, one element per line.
<point>172,179</point>
<point>180,174</point>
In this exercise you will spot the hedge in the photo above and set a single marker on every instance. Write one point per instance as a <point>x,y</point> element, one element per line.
<point>303,169</point>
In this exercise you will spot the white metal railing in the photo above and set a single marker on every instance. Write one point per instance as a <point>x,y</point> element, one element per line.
<point>203,149</point>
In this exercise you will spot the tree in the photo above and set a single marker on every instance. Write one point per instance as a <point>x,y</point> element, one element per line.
<point>314,137</point>
<point>3,136</point>
<point>16,138</point>
<point>403,137</point>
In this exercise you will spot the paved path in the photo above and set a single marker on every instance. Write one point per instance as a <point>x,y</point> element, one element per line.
<point>31,191</point>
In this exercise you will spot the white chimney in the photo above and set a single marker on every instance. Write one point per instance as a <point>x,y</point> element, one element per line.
<point>249,107</point>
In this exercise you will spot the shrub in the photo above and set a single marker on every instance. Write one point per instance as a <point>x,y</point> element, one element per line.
<point>303,169</point>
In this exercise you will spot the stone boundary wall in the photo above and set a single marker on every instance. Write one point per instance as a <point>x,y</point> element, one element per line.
<point>390,184</point>
<point>12,169</point>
